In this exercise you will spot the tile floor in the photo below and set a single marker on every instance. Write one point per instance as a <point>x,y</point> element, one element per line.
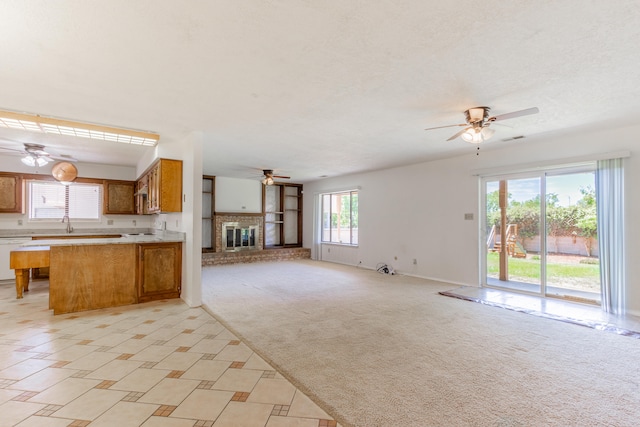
<point>159,364</point>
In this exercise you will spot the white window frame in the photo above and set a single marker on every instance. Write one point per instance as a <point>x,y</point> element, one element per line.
<point>351,228</point>
<point>67,211</point>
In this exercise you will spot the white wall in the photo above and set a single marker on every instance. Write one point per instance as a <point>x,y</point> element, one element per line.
<point>189,221</point>
<point>238,195</point>
<point>418,211</point>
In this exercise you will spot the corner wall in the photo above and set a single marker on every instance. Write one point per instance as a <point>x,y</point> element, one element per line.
<point>418,211</point>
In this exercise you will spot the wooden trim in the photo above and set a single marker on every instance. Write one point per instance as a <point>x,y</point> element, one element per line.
<point>282,203</point>
<point>264,215</point>
<point>238,214</point>
<point>78,125</point>
<point>38,177</point>
<point>212,212</point>
<point>300,194</point>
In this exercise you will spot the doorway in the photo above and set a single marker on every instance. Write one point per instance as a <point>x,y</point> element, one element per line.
<point>560,262</point>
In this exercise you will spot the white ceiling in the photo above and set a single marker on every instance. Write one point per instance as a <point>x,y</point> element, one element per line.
<point>313,88</point>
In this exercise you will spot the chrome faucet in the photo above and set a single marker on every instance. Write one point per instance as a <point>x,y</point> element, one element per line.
<point>69,227</point>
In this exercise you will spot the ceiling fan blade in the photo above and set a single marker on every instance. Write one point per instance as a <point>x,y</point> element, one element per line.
<point>448,126</point>
<point>528,111</point>
<point>62,157</point>
<point>12,149</point>
<point>459,133</point>
<point>280,176</point>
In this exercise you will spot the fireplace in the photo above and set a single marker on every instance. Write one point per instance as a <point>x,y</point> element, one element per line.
<point>237,236</point>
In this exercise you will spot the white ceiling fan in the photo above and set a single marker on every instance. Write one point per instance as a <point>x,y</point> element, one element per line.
<point>477,123</point>
<point>35,155</point>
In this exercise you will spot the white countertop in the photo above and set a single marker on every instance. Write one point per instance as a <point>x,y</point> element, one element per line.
<point>124,239</point>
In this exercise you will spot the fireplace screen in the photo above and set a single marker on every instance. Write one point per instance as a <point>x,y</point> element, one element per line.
<point>239,237</point>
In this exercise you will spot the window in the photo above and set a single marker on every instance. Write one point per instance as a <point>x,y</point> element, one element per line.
<point>52,200</point>
<point>340,218</point>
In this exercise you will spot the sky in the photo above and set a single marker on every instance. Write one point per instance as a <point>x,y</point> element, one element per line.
<point>567,187</point>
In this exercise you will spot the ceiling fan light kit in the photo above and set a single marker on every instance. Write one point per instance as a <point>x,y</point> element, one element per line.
<point>34,160</point>
<point>36,123</point>
<point>268,177</point>
<point>477,123</point>
<point>476,135</point>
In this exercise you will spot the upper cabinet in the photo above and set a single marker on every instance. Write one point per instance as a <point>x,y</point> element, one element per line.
<point>119,197</point>
<point>161,186</point>
<point>11,190</point>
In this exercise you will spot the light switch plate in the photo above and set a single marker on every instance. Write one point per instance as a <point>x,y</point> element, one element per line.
<point>468,217</point>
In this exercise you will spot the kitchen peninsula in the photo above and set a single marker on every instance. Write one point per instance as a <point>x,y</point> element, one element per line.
<point>88,272</point>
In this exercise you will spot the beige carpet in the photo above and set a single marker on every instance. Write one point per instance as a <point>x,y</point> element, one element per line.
<point>379,350</point>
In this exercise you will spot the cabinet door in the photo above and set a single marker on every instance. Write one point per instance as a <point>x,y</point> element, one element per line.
<point>159,270</point>
<point>154,194</point>
<point>10,193</point>
<point>119,197</point>
<point>170,185</point>
<point>142,193</point>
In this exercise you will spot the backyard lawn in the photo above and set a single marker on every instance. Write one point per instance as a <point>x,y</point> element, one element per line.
<point>570,272</point>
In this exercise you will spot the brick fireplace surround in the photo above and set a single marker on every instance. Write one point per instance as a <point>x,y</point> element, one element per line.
<point>246,256</point>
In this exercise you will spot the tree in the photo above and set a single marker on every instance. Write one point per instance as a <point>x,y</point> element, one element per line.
<point>588,222</point>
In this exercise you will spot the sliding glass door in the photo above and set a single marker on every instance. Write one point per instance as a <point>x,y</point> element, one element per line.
<point>513,224</point>
<point>563,260</point>
<point>573,267</point>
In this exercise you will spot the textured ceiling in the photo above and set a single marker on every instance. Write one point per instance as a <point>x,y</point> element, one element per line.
<point>313,88</point>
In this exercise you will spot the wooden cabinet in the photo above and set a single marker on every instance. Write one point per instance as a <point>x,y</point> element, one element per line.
<point>142,192</point>
<point>164,186</point>
<point>119,197</point>
<point>159,270</point>
<point>88,277</point>
<point>11,191</point>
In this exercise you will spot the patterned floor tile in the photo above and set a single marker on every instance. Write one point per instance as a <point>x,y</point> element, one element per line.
<point>160,364</point>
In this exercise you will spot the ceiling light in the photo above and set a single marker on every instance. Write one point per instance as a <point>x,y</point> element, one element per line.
<point>473,136</point>
<point>487,132</point>
<point>268,181</point>
<point>35,123</point>
<point>31,160</point>
<point>476,135</point>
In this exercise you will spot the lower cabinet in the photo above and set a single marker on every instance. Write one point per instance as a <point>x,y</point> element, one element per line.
<point>159,270</point>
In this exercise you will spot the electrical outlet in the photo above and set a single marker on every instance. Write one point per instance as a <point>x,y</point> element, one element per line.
<point>468,217</point>
<point>109,222</point>
<point>415,261</point>
<point>19,222</point>
<point>134,222</point>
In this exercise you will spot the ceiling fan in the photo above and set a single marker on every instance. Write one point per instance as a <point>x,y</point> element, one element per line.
<point>268,177</point>
<point>477,126</point>
<point>35,155</point>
